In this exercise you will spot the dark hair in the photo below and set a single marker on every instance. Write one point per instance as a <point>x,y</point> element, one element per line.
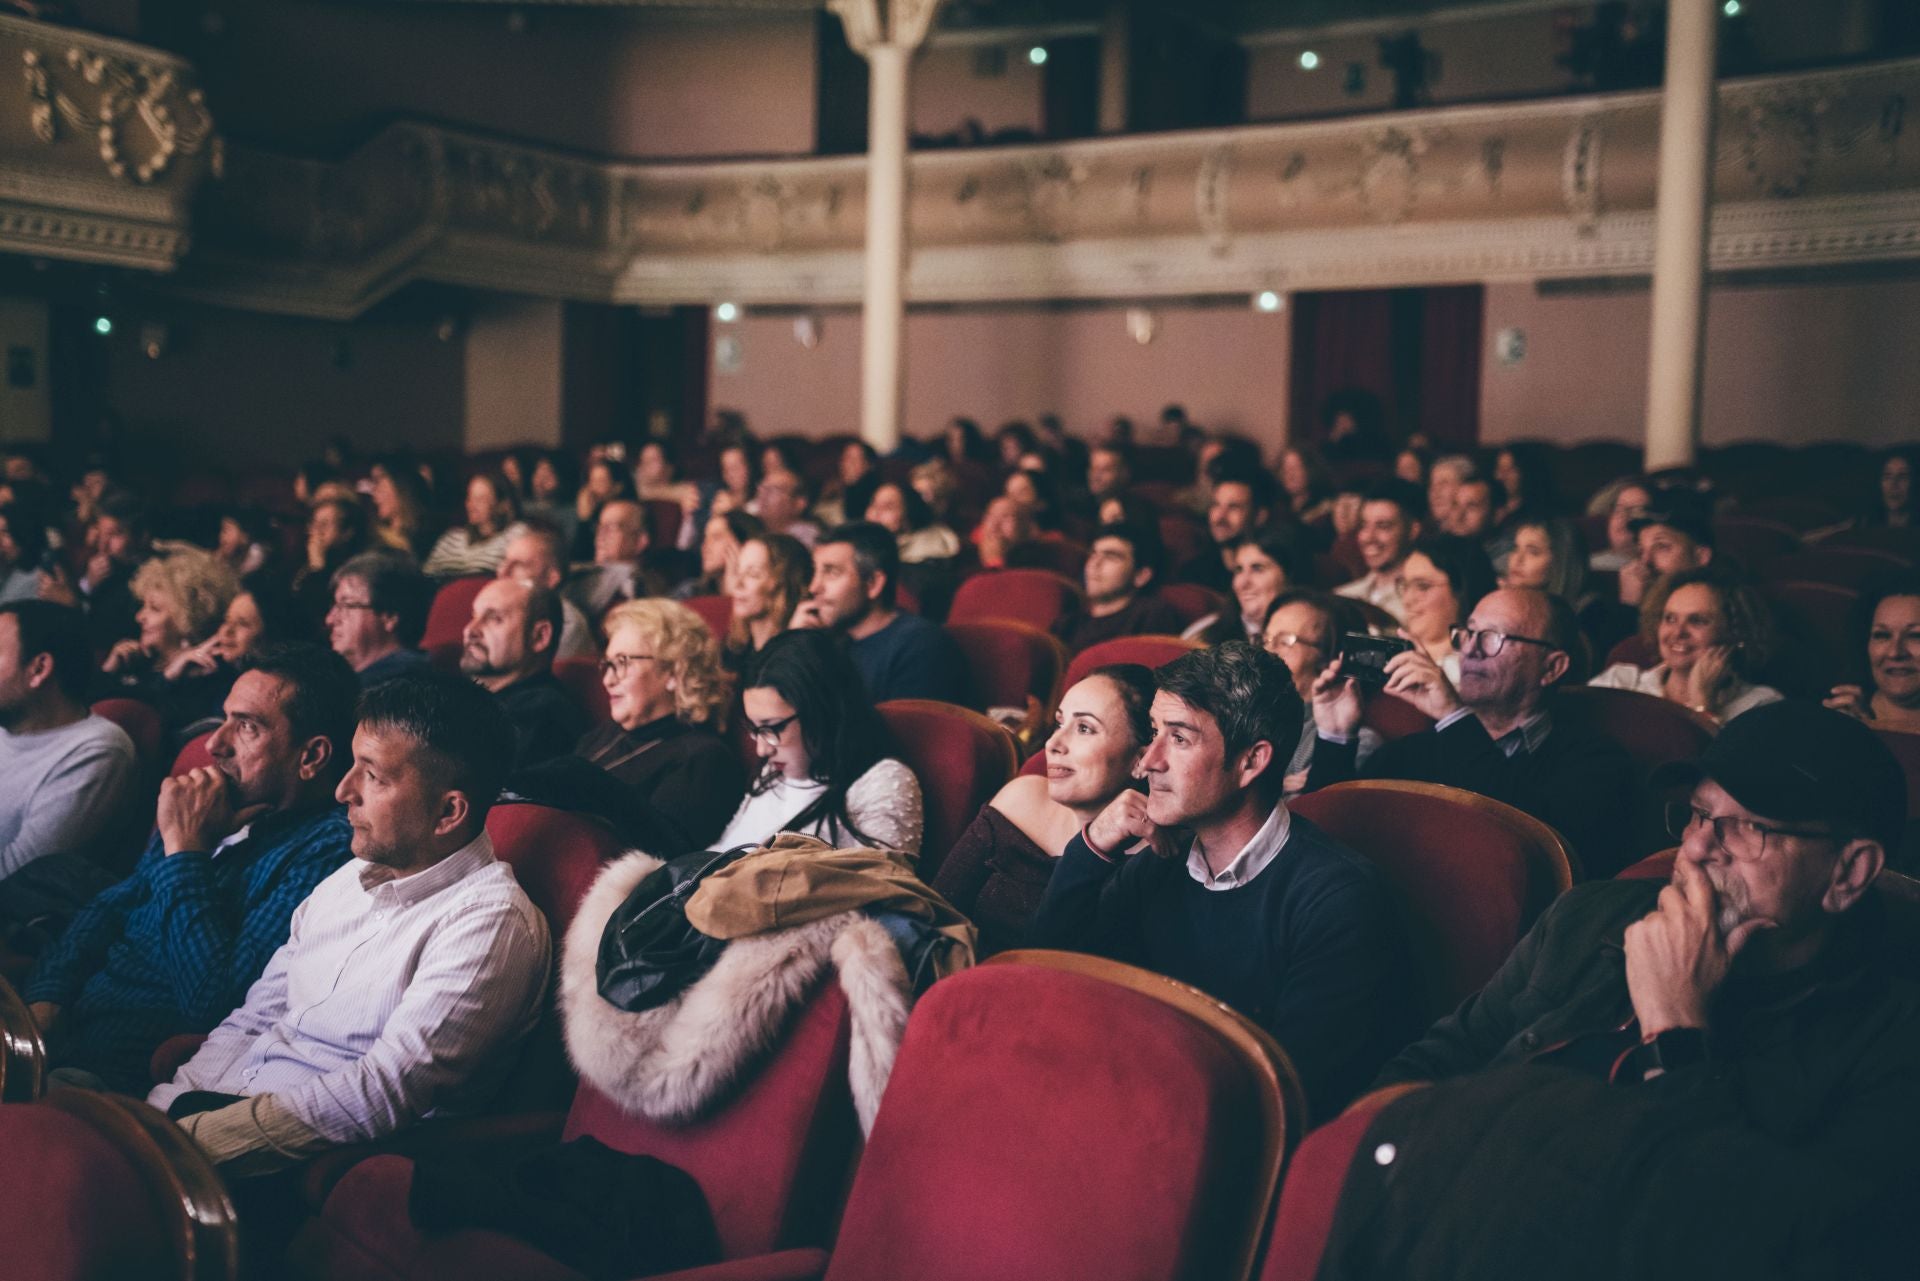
<point>622,479</point>
<point>1496,492</point>
<point>918,514</point>
<point>60,632</point>
<point>1249,693</point>
<point>1277,544</point>
<point>27,524</point>
<point>394,586</point>
<point>1882,587</point>
<point>1464,562</point>
<point>256,523</point>
<point>549,536</point>
<point>1148,551</point>
<point>1018,431</point>
<point>504,495</point>
<point>1314,463</point>
<point>561,464</point>
<point>353,519</point>
<point>746,449</point>
<point>1567,576</point>
<point>812,669</point>
<point>1408,497</point>
<point>125,508</point>
<point>743,524</point>
<point>1134,681</point>
<point>1046,512</point>
<point>1227,470</point>
<point>453,719</point>
<point>283,619</point>
<point>1531,461</point>
<point>1340,613</point>
<point>973,443</point>
<point>875,551</point>
<point>543,606</point>
<point>317,472</point>
<point>1875,513</point>
<point>325,690</point>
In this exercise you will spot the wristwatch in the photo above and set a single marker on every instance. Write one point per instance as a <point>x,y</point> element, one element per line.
<point>1677,1047</point>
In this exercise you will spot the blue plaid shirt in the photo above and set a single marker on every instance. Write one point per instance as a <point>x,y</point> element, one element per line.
<point>175,946</point>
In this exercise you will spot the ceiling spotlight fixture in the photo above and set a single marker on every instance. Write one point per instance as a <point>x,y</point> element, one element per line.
<point>1268,300</point>
<point>1731,8</point>
<point>1309,60</point>
<point>1037,55</point>
<point>727,312</point>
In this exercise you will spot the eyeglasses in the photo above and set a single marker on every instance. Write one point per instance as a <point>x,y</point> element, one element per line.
<point>1490,641</point>
<point>770,731</point>
<point>1738,837</point>
<point>619,663</point>
<point>353,604</point>
<point>1286,639</point>
<point>1418,586</point>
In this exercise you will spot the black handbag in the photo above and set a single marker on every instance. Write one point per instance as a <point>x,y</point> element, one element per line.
<point>649,954</point>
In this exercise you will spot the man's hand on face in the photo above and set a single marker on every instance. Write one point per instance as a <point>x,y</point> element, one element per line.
<point>196,811</point>
<point>1634,580</point>
<point>1413,676</point>
<point>1676,958</point>
<point>809,613</point>
<point>1124,821</point>
<point>1337,707</point>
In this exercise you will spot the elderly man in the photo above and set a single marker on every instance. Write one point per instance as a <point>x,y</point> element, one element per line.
<point>1389,527</point>
<point>409,976</point>
<point>1207,877</point>
<point>1708,1077</point>
<point>508,650</point>
<point>1497,733</point>
<point>1123,567</point>
<point>899,655</point>
<point>237,846</point>
<point>537,555</point>
<point>379,613</point>
<point>619,541</point>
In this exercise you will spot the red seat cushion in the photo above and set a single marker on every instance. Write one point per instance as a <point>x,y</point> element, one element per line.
<point>72,1205</point>
<point>554,855</point>
<point>1008,662</point>
<point>581,676</point>
<point>193,755</point>
<point>1148,651</point>
<point>1036,597</point>
<point>961,759</point>
<point>451,611</point>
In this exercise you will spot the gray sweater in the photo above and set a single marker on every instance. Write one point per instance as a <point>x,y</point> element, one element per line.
<point>60,789</point>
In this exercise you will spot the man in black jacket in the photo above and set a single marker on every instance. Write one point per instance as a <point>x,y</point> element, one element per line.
<point>1712,1077</point>
<point>508,649</point>
<point>1497,733</point>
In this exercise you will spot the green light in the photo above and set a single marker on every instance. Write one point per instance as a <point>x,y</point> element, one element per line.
<point>1309,60</point>
<point>103,326</point>
<point>1731,8</point>
<point>1037,55</point>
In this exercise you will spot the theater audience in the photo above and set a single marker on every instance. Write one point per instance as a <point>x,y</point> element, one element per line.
<point>23,549</point>
<point>1208,878</point>
<point>402,507</point>
<point>1706,1077</point>
<point>1714,634</point>
<point>536,554</point>
<point>1675,533</point>
<point>1123,567</point>
<point>769,580</point>
<point>997,872</point>
<point>477,546</point>
<point>238,845</point>
<point>246,540</point>
<point>378,615</point>
<point>856,569</point>
<point>904,513</point>
<point>1389,526</point>
<point>336,533</point>
<point>856,472</point>
<point>939,488</point>
<point>720,545</point>
<point>1444,479</point>
<point>1891,698</point>
<point>183,597</point>
<point>1303,631</point>
<point>1308,485</point>
<point>507,650</point>
<point>1004,530</point>
<point>408,976</point>
<point>261,613</point>
<point>607,481</point>
<point>619,541</point>
<point>1439,581</point>
<point>1477,503</point>
<point>117,543</point>
<point>781,502</point>
<point>1549,555</point>
<point>1266,561</point>
<point>823,769</point>
<point>1896,502</point>
<point>1629,503</point>
<point>550,490</point>
<point>656,479</point>
<point>1109,471</point>
<point>1240,500</point>
<point>1497,733</point>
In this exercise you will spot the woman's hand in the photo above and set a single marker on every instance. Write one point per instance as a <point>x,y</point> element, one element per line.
<point>195,660</point>
<point>1851,699</point>
<point>124,655</point>
<point>1711,675</point>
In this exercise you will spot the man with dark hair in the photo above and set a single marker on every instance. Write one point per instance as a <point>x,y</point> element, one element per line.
<point>117,544</point>
<point>1208,878</point>
<point>237,846</point>
<point>1477,501</point>
<point>1712,1076</point>
<point>1123,567</point>
<point>536,554</point>
<point>1674,534</point>
<point>1389,527</point>
<point>1240,500</point>
<point>379,611</point>
<point>900,655</point>
<point>1109,471</point>
<point>67,772</point>
<point>1497,734</point>
<point>408,976</point>
<point>508,650</point>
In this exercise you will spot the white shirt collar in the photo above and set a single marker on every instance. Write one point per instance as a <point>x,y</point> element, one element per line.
<point>407,890</point>
<point>1250,861</point>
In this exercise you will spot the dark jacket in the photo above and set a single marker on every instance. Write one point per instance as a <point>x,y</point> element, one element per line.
<point>547,721</point>
<point>1145,615</point>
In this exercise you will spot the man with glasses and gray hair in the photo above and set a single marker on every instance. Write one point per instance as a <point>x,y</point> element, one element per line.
<point>1707,1076</point>
<point>1496,733</point>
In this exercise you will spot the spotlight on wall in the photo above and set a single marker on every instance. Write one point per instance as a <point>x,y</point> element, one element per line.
<point>1731,8</point>
<point>727,312</point>
<point>1037,55</point>
<point>1269,300</point>
<point>103,326</point>
<point>1309,60</point>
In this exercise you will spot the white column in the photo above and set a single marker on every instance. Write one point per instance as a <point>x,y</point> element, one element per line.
<point>1680,235</point>
<point>1116,39</point>
<point>883,354</point>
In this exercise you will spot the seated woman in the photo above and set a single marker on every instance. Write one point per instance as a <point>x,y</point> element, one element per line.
<point>669,699</point>
<point>1265,563</point>
<point>1891,700</point>
<point>1714,632</point>
<point>1304,627</point>
<point>1003,532</point>
<point>262,613</point>
<point>1441,580</point>
<point>998,870</point>
<point>478,546</point>
<point>770,578</point>
<point>824,773</point>
<point>402,506</point>
<point>1550,555</point>
<point>183,597</point>
<point>929,551</point>
<point>1308,483</point>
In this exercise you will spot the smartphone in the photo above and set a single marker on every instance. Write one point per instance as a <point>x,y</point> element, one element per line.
<point>1364,657</point>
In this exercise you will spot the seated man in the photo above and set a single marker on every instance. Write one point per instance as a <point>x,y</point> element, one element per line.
<point>1708,1077</point>
<point>1241,500</point>
<point>781,501</point>
<point>619,541</point>
<point>1497,734</point>
<point>68,773</point>
<point>379,612</point>
<point>537,555</point>
<point>1208,878</point>
<point>508,650</point>
<point>410,975</point>
<point>1123,567</point>
<point>1389,527</point>
<point>174,947</point>
<point>900,655</point>
<point>1674,533</point>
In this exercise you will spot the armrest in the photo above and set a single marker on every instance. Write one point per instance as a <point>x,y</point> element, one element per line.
<point>432,1140</point>
<point>782,1265</point>
<point>171,1054</point>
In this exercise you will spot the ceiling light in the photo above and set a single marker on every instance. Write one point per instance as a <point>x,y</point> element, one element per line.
<point>1309,60</point>
<point>1037,55</point>
<point>1268,300</point>
<point>727,312</point>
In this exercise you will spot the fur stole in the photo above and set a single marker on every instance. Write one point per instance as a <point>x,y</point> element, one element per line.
<point>675,1061</point>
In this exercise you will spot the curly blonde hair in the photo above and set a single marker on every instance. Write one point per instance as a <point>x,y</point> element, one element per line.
<point>680,641</point>
<point>192,587</point>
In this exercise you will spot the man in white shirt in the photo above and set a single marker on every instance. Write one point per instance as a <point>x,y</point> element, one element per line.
<point>410,975</point>
<point>1389,527</point>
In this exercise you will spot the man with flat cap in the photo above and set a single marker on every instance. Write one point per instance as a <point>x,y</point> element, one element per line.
<point>1715,1076</point>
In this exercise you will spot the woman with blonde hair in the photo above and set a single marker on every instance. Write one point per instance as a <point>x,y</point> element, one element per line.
<point>770,578</point>
<point>669,697</point>
<point>183,598</point>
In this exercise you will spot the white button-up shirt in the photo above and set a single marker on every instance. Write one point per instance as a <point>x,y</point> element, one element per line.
<point>391,1000</point>
<point>1250,861</point>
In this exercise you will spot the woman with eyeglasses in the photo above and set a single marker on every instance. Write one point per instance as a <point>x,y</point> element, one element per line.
<point>1440,582</point>
<point>824,771</point>
<point>669,694</point>
<point>1303,631</point>
<point>1714,633</point>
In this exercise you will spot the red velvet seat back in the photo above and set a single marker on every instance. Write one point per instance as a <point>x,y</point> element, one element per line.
<point>1653,730</point>
<point>1635,649</point>
<point>961,759</point>
<point>1064,556</point>
<point>1391,717</point>
<point>581,676</point>
<point>1036,597</point>
<point>72,1206</point>
<point>1817,647</point>
<point>142,725</point>
<point>1755,541</point>
<point>1007,662</point>
<point>554,855</point>
<point>1303,1216</point>
<point>1148,651</point>
<point>1904,543</point>
<point>193,755</point>
<point>1181,534</point>
<point>1469,873</point>
<point>1191,601</point>
<point>1854,567</point>
<point>715,611</point>
<point>1042,1123</point>
<point>451,611</point>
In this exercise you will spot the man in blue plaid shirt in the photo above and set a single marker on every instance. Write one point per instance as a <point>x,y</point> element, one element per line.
<point>237,846</point>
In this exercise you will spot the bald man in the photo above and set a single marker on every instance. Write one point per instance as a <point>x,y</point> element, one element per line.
<point>508,649</point>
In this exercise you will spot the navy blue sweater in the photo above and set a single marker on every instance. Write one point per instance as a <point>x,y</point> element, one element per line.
<point>1311,949</point>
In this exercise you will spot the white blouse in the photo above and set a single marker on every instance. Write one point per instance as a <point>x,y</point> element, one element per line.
<point>1653,680</point>
<point>884,803</point>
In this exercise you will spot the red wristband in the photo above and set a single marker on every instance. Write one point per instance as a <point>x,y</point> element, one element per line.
<point>1087,836</point>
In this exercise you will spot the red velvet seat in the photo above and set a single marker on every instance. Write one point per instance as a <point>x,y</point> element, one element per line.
<point>1055,1115</point>
<point>581,676</point>
<point>1755,541</point>
<point>1148,651</point>
<point>1008,663</point>
<point>97,1187</point>
<point>1191,601</point>
<point>1063,556</point>
<point>715,611</point>
<point>193,755</point>
<point>1852,567</point>
<point>664,518</point>
<point>1904,543</point>
<point>1181,534</point>
<point>1636,650</point>
<point>451,611</point>
<point>142,724</point>
<point>1303,1217</point>
<point>1036,597</point>
<point>1391,717</point>
<point>772,1162</point>
<point>1470,873</point>
<point>961,759</point>
<point>1653,731</point>
<point>1817,646</point>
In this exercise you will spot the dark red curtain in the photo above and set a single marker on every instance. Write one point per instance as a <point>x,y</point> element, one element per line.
<point>1416,350</point>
